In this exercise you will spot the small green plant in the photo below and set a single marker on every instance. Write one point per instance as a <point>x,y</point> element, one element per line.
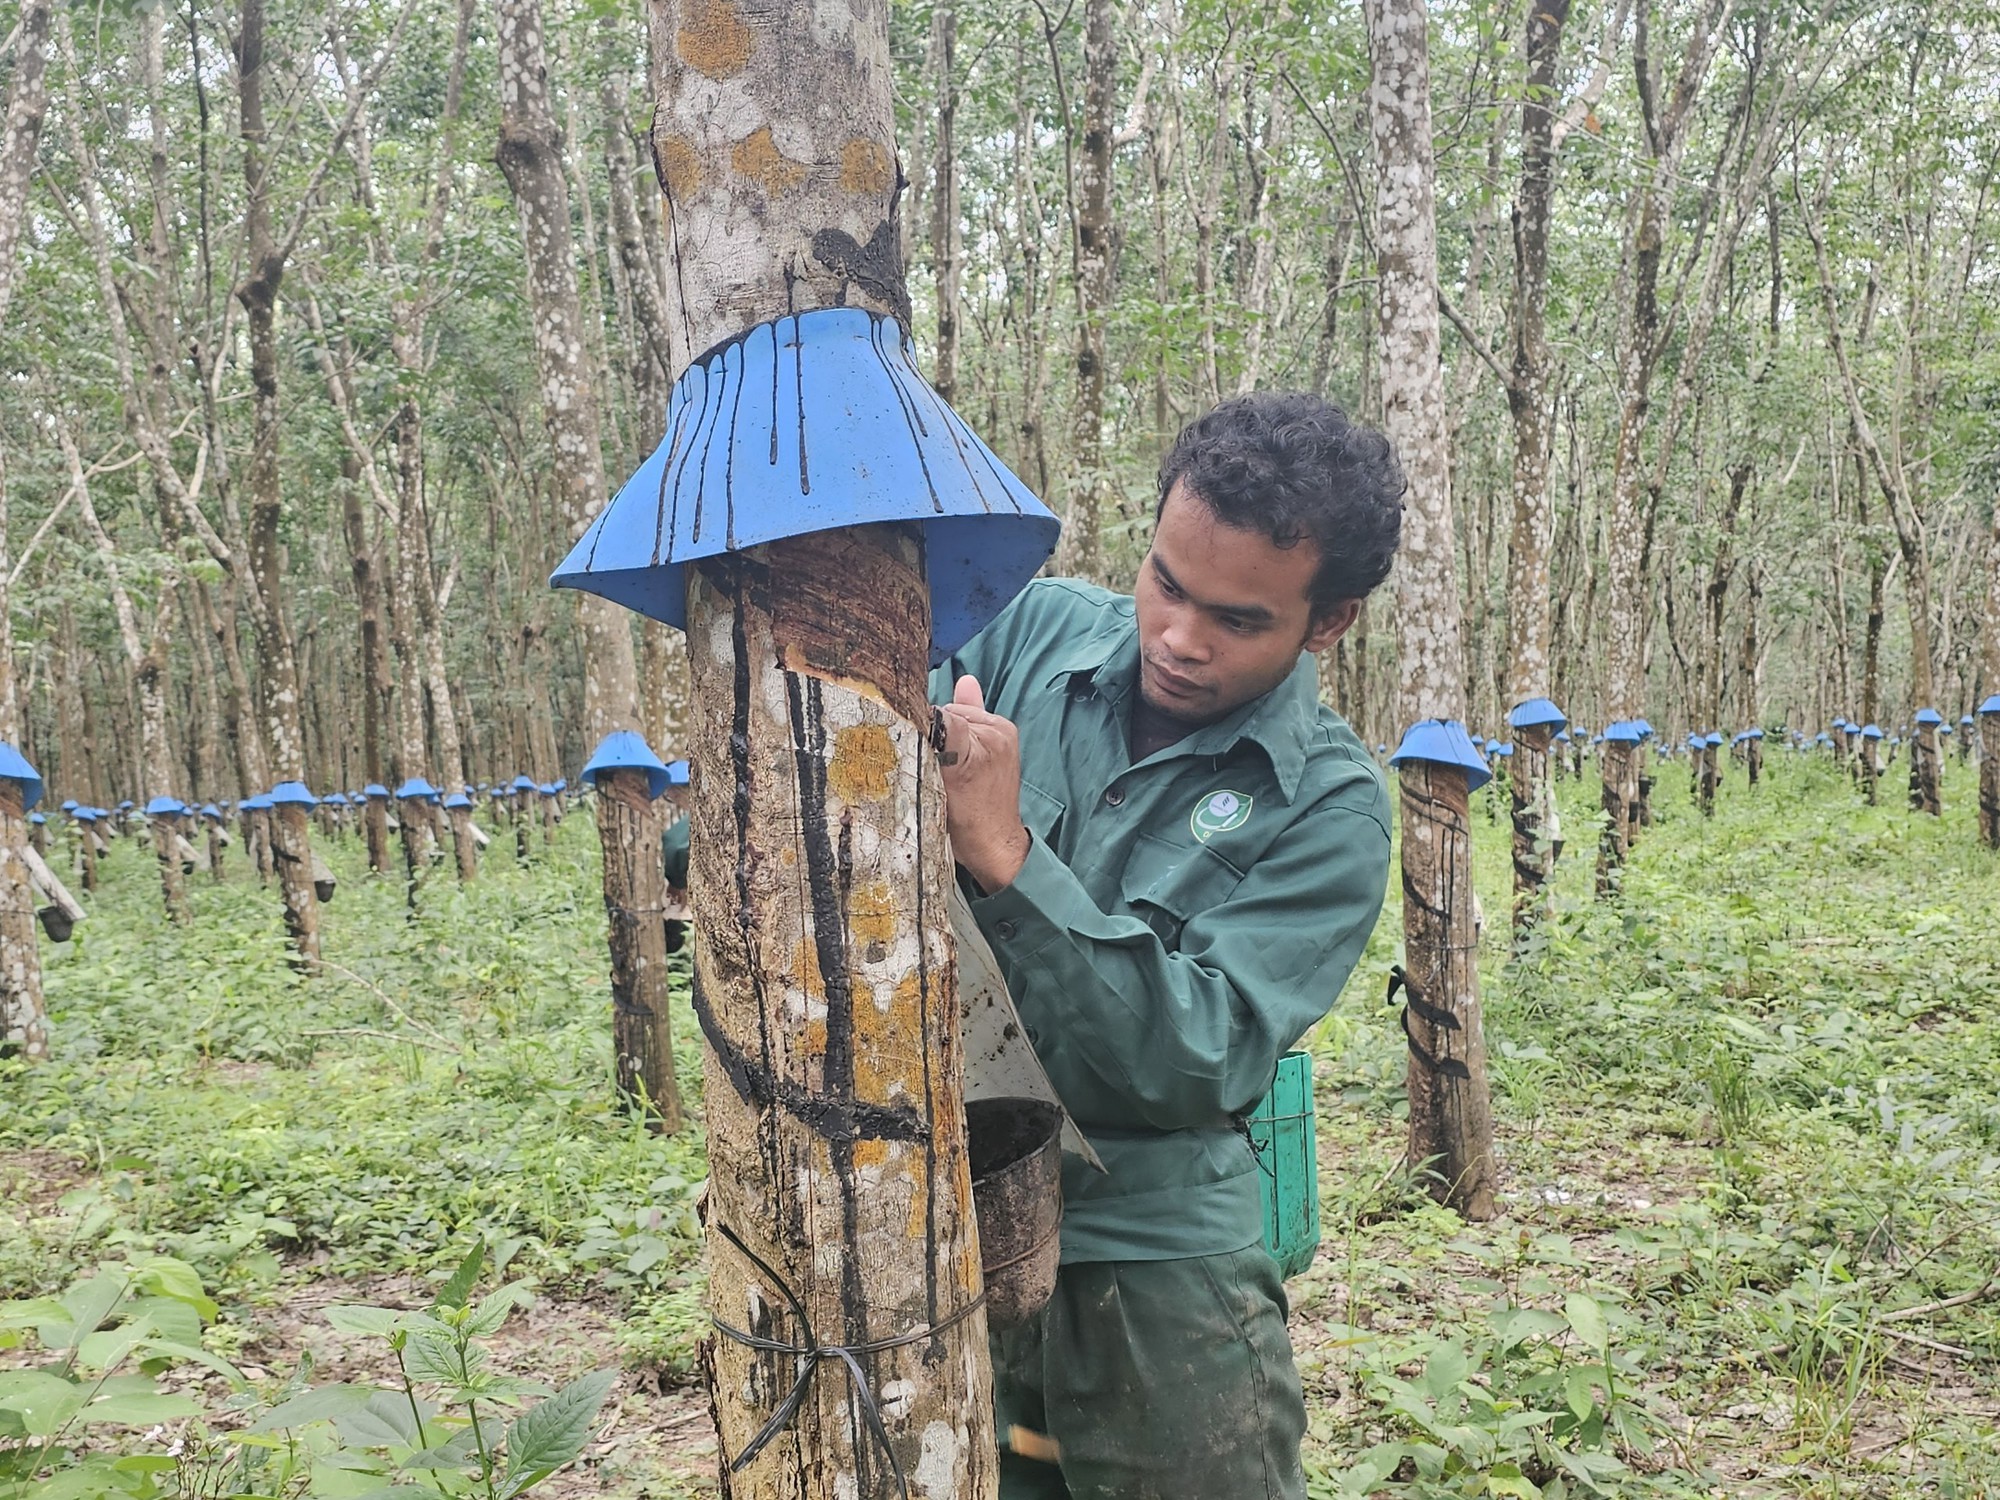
<point>108,1339</point>
<point>1536,1404</point>
<point>451,1424</point>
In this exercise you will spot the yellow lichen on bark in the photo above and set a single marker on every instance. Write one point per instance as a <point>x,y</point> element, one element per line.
<point>758,158</point>
<point>864,758</point>
<point>678,166</point>
<point>714,40</point>
<point>865,167</point>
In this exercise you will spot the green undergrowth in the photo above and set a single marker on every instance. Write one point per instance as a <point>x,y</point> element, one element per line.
<point>1747,1111</point>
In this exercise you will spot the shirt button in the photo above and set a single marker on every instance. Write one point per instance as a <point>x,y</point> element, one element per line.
<point>1005,930</point>
<point>1114,798</point>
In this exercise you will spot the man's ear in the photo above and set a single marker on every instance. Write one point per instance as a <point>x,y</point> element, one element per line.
<point>1330,625</point>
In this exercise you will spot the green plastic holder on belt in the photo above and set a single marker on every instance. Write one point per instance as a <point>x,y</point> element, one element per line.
<point>1281,1135</point>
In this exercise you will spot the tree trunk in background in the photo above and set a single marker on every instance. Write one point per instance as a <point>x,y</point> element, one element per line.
<point>363,556</point>
<point>530,156</point>
<point>291,831</point>
<point>148,662</point>
<point>1081,551</point>
<point>871,1226</point>
<point>27,100</point>
<point>642,1030</point>
<point>1987,726</point>
<point>1640,344</point>
<point>1451,1122</point>
<point>24,1021</point>
<point>947,232</point>
<point>1533,533</point>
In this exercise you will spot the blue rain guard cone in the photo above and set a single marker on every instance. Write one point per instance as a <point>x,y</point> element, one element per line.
<point>807,424</point>
<point>1445,742</point>
<point>14,765</point>
<point>627,750</point>
<point>1534,711</point>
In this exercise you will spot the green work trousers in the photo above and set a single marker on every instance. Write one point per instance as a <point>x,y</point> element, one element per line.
<point>1154,1380</point>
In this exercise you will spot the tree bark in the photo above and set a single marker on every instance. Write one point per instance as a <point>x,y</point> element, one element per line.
<point>530,156</point>
<point>1640,343</point>
<point>277,663</point>
<point>24,1021</point>
<point>27,101</point>
<point>1451,1123</point>
<point>148,663</point>
<point>824,976</point>
<point>642,1029</point>
<point>1082,547</point>
<point>1532,536</point>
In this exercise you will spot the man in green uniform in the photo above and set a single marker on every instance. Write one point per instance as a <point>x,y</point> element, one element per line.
<point>1177,855</point>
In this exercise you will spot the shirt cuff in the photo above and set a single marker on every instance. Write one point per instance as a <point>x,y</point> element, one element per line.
<point>1031,913</point>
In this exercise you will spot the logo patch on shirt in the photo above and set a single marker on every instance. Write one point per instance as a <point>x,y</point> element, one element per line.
<point>1218,812</point>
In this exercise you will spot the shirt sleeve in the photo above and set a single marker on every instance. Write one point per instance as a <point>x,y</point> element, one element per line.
<point>1138,1034</point>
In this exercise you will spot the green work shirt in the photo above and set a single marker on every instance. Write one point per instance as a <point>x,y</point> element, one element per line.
<point>1180,922</point>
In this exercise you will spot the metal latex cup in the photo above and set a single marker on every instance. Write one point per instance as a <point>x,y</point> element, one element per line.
<point>14,766</point>
<point>1444,742</point>
<point>806,424</point>
<point>627,750</point>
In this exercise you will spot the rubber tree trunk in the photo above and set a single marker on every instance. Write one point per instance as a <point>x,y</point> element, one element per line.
<point>278,676</point>
<point>375,825</point>
<point>1924,760</point>
<point>531,156</point>
<point>641,1026</point>
<point>1709,776</point>
<point>824,975</point>
<point>1536,829</point>
<point>215,865</point>
<point>166,830</point>
<point>24,1022</point>
<point>1989,780</point>
<point>1532,537</point>
<point>1451,1121</point>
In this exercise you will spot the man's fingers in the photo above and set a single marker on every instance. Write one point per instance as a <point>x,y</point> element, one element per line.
<point>967,693</point>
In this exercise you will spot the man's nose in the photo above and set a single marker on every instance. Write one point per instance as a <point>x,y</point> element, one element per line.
<point>1184,639</point>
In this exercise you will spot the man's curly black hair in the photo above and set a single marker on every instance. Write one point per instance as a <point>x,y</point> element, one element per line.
<point>1295,468</point>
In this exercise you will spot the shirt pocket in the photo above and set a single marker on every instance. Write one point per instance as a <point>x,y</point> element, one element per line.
<point>1041,813</point>
<point>1168,885</point>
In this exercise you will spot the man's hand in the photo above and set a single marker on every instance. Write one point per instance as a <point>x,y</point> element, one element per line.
<point>982,789</point>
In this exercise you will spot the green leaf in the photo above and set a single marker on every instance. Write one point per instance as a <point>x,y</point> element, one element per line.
<point>382,1321</point>
<point>551,1433</point>
<point>142,1410</point>
<point>170,1349</point>
<point>456,1291</point>
<point>164,1276</point>
<point>384,1421</point>
<point>45,1403</point>
<point>87,1304</point>
<point>325,1404</point>
<point>1587,1318</point>
<point>1507,1479</point>
<point>1577,1394</point>
<point>495,1306</point>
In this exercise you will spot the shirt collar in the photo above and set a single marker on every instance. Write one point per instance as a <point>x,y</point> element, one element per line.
<point>1279,723</point>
